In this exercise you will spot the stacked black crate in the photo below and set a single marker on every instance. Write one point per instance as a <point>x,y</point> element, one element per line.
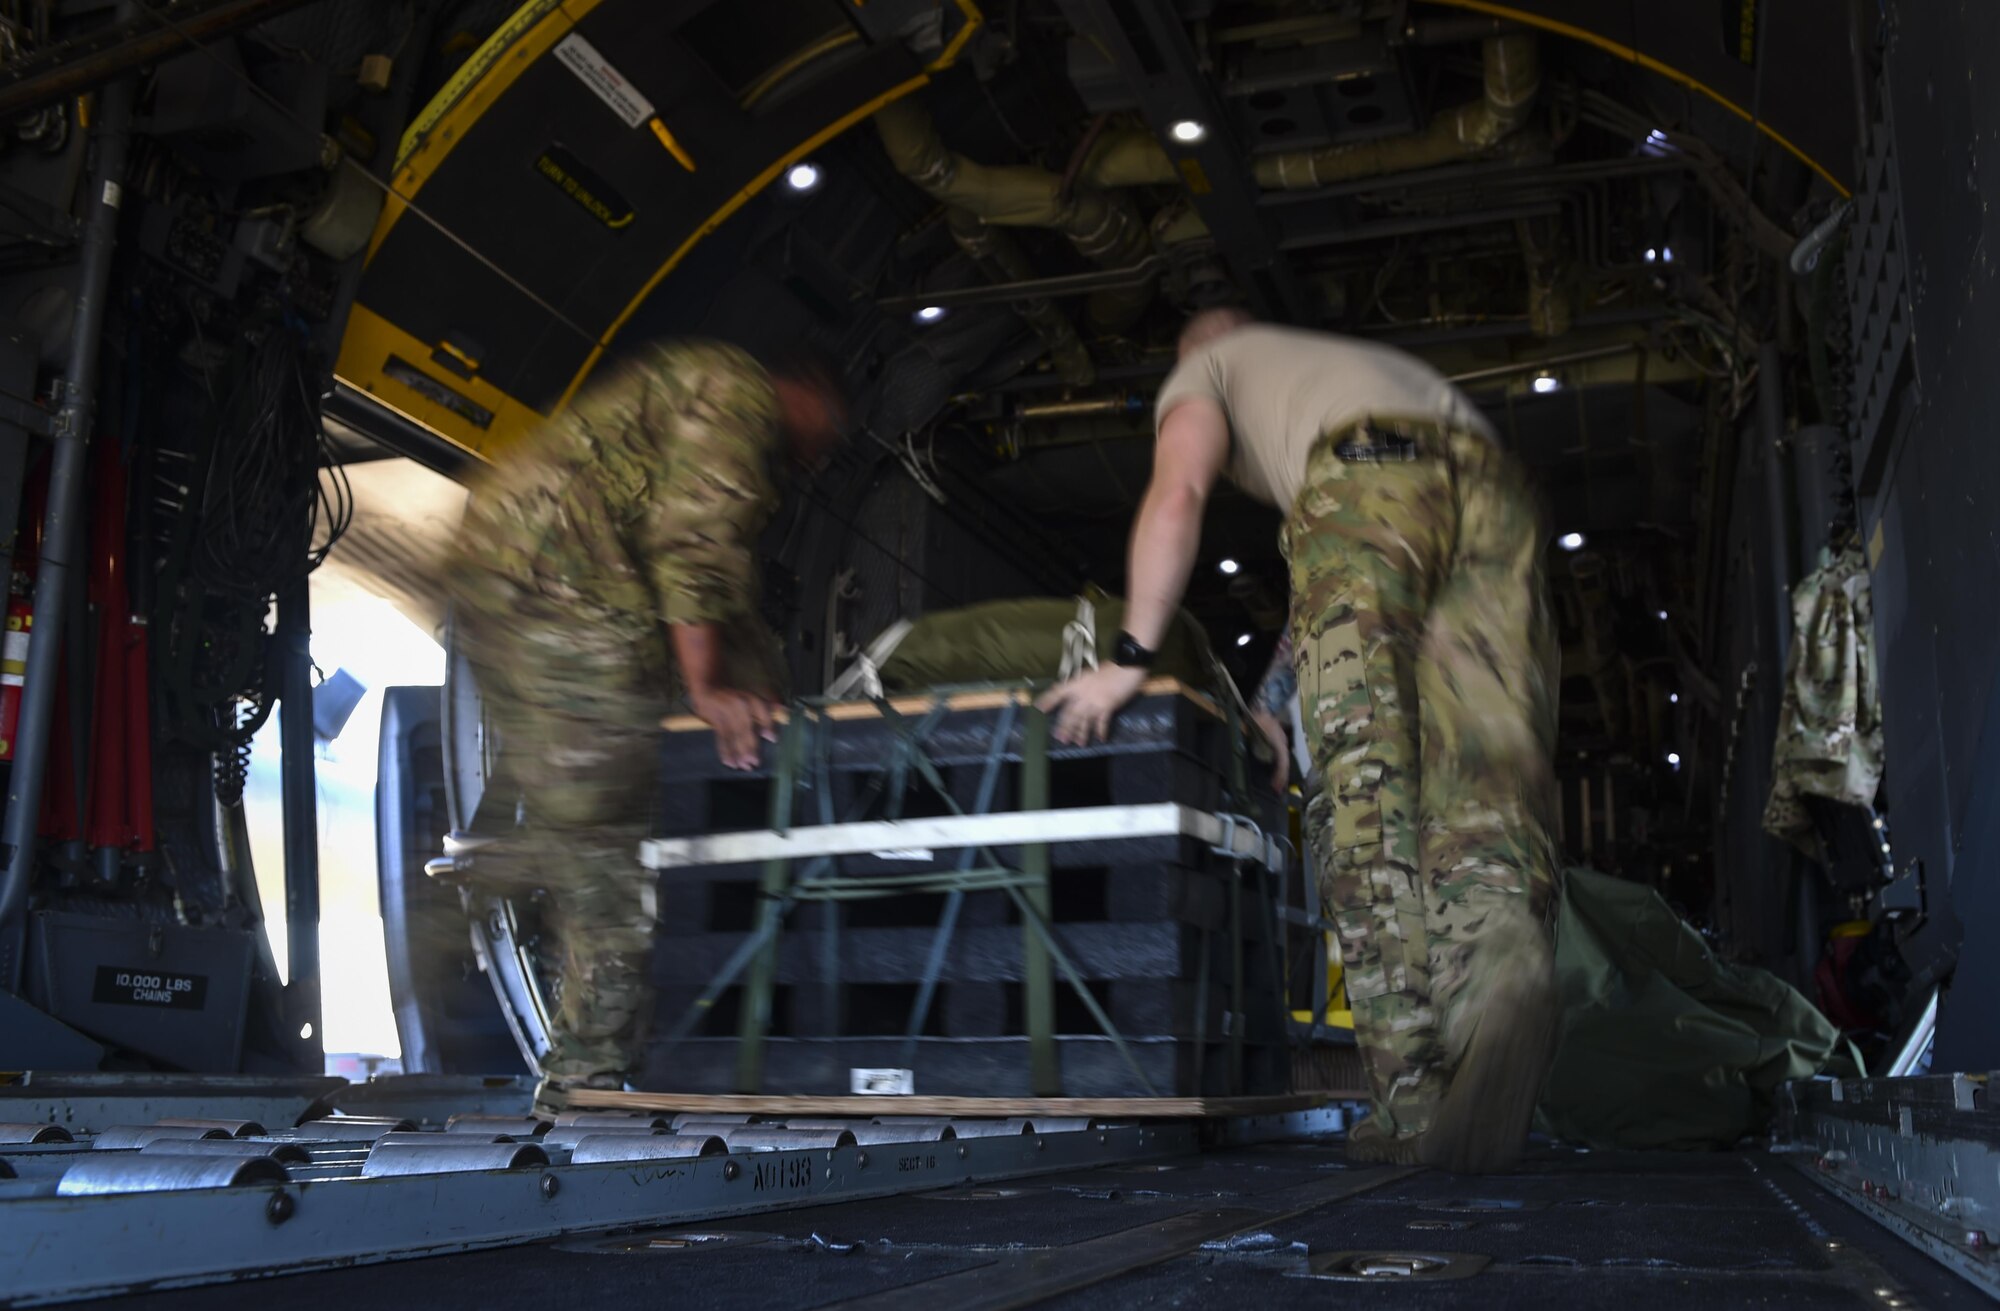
<point>1177,944</point>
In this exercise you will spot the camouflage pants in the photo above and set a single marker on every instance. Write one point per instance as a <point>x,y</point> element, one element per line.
<point>575,708</point>
<point>1427,662</point>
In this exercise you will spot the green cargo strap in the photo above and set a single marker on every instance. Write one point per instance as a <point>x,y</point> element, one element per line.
<point>1037,925</point>
<point>802,889</point>
<point>755,1021</point>
<point>1201,1002</point>
<point>989,779</point>
<point>829,913</point>
<point>1236,1013</point>
<point>1239,779</point>
<point>1316,944</point>
<point>1038,997</point>
<point>909,750</point>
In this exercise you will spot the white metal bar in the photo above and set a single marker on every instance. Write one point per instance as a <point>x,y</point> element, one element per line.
<point>1085,824</point>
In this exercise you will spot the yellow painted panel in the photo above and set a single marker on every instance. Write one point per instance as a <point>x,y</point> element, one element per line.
<point>365,351</point>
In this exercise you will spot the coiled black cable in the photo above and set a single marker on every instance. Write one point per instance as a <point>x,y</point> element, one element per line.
<point>269,501</point>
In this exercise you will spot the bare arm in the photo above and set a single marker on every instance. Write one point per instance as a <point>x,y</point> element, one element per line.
<point>1166,539</point>
<point>739,718</point>
<point>710,496</point>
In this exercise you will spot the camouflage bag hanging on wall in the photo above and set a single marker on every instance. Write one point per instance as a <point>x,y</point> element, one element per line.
<point>1830,724</point>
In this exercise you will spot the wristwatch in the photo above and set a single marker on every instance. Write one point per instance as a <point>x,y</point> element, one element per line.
<point>1130,654</point>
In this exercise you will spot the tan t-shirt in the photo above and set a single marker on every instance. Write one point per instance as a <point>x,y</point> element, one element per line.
<point>1283,387</point>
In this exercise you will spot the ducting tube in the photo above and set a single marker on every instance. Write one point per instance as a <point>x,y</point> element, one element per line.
<point>1513,76</point>
<point>1101,228</point>
<point>1002,261</point>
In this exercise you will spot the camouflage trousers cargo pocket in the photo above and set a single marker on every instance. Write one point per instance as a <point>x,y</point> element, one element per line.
<point>1375,899</point>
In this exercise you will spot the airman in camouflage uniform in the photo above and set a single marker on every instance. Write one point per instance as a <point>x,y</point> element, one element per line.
<point>604,578</point>
<point>1426,676</point>
<point>1427,663</point>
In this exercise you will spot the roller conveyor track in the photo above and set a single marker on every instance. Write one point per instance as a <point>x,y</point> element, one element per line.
<point>216,1199</point>
<point>401,1202</point>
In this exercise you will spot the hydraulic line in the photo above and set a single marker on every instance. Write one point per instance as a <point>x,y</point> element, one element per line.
<point>62,537</point>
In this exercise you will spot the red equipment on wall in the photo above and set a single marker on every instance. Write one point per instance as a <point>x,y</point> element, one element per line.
<point>120,814</point>
<point>21,609</point>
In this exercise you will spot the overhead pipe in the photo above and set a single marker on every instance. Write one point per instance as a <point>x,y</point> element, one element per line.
<point>1453,29</point>
<point>1001,293</point>
<point>61,537</point>
<point>1123,403</point>
<point>56,72</point>
<point>1102,228</point>
<point>1711,171</point>
<point>1001,260</point>
<point>1512,78</point>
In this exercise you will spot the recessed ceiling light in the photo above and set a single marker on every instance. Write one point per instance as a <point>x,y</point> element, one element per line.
<point>1229,566</point>
<point>1674,759</point>
<point>929,314</point>
<point>1244,640</point>
<point>802,176</point>
<point>1188,132</point>
<point>1570,541</point>
<point>1545,383</point>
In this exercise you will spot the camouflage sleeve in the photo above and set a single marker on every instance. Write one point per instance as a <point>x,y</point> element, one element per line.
<point>711,414</point>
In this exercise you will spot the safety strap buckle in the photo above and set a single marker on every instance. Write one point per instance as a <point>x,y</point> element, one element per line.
<point>1225,845</point>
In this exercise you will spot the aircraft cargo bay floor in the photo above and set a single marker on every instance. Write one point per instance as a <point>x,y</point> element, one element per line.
<point>1273,1224</point>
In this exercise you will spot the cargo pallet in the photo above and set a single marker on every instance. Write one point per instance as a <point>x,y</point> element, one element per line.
<point>926,895</point>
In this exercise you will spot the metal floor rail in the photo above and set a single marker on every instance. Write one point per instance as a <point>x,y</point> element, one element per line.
<point>173,1204</point>
<point>1919,1156</point>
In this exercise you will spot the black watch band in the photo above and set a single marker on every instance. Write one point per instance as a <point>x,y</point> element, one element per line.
<point>1129,653</point>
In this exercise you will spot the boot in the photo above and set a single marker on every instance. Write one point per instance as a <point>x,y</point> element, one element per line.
<point>552,1093</point>
<point>1482,1121</point>
<point>1368,1143</point>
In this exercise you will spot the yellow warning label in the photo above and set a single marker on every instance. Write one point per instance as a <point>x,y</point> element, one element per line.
<point>585,188</point>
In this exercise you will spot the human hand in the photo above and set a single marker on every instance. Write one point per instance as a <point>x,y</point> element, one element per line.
<point>1281,749</point>
<point>1084,706</point>
<point>739,720</point>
